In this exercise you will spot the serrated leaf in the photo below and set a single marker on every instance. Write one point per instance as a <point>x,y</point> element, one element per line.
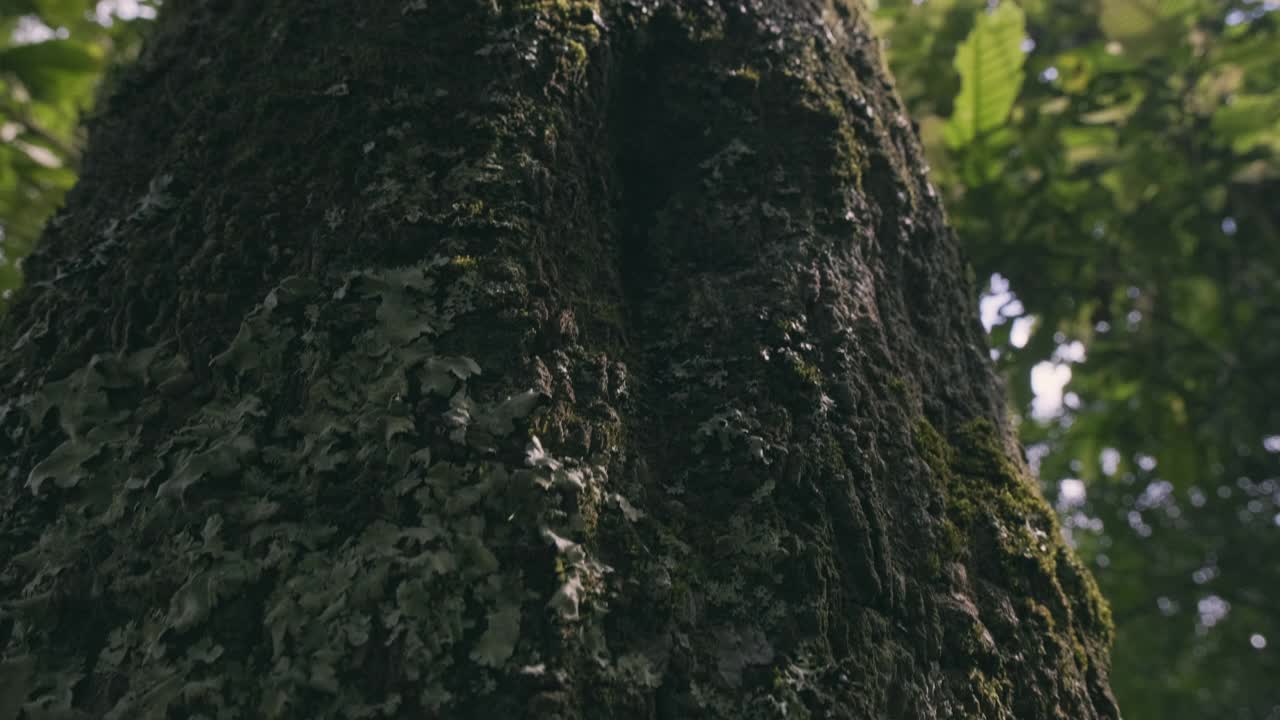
<point>990,65</point>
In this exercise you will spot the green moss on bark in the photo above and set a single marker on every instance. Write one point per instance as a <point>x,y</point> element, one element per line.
<point>999,527</point>
<point>571,380</point>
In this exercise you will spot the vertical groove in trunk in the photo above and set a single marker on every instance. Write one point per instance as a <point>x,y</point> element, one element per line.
<point>518,359</point>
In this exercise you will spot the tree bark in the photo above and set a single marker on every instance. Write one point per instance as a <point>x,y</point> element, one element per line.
<point>518,358</point>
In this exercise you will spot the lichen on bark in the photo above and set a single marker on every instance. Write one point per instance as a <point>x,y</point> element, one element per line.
<point>518,359</point>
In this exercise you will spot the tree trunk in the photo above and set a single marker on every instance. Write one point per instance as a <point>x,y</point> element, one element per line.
<point>518,358</point>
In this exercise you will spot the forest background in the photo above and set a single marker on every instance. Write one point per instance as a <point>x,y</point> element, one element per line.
<point>1112,168</point>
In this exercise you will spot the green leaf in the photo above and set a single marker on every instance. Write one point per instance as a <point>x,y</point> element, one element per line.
<point>990,65</point>
<point>56,55</point>
<point>1128,19</point>
<point>1147,28</point>
<point>1249,121</point>
<point>60,12</point>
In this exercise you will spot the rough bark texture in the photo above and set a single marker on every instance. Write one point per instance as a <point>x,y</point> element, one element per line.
<point>498,358</point>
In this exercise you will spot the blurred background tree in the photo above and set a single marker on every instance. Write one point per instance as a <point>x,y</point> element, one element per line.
<point>52,57</point>
<point>1113,168</point>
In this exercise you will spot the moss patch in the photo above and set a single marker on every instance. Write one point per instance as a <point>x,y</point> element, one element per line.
<point>999,526</point>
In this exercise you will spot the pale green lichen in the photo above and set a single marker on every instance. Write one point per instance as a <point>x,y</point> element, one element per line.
<point>426,580</point>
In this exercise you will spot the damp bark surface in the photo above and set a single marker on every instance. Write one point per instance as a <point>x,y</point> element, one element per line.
<point>496,359</point>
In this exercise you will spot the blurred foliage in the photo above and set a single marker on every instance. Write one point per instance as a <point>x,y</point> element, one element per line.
<point>1129,202</point>
<point>1115,165</point>
<point>52,55</point>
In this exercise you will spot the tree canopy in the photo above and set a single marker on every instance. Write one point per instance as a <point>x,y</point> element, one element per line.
<point>1111,169</point>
